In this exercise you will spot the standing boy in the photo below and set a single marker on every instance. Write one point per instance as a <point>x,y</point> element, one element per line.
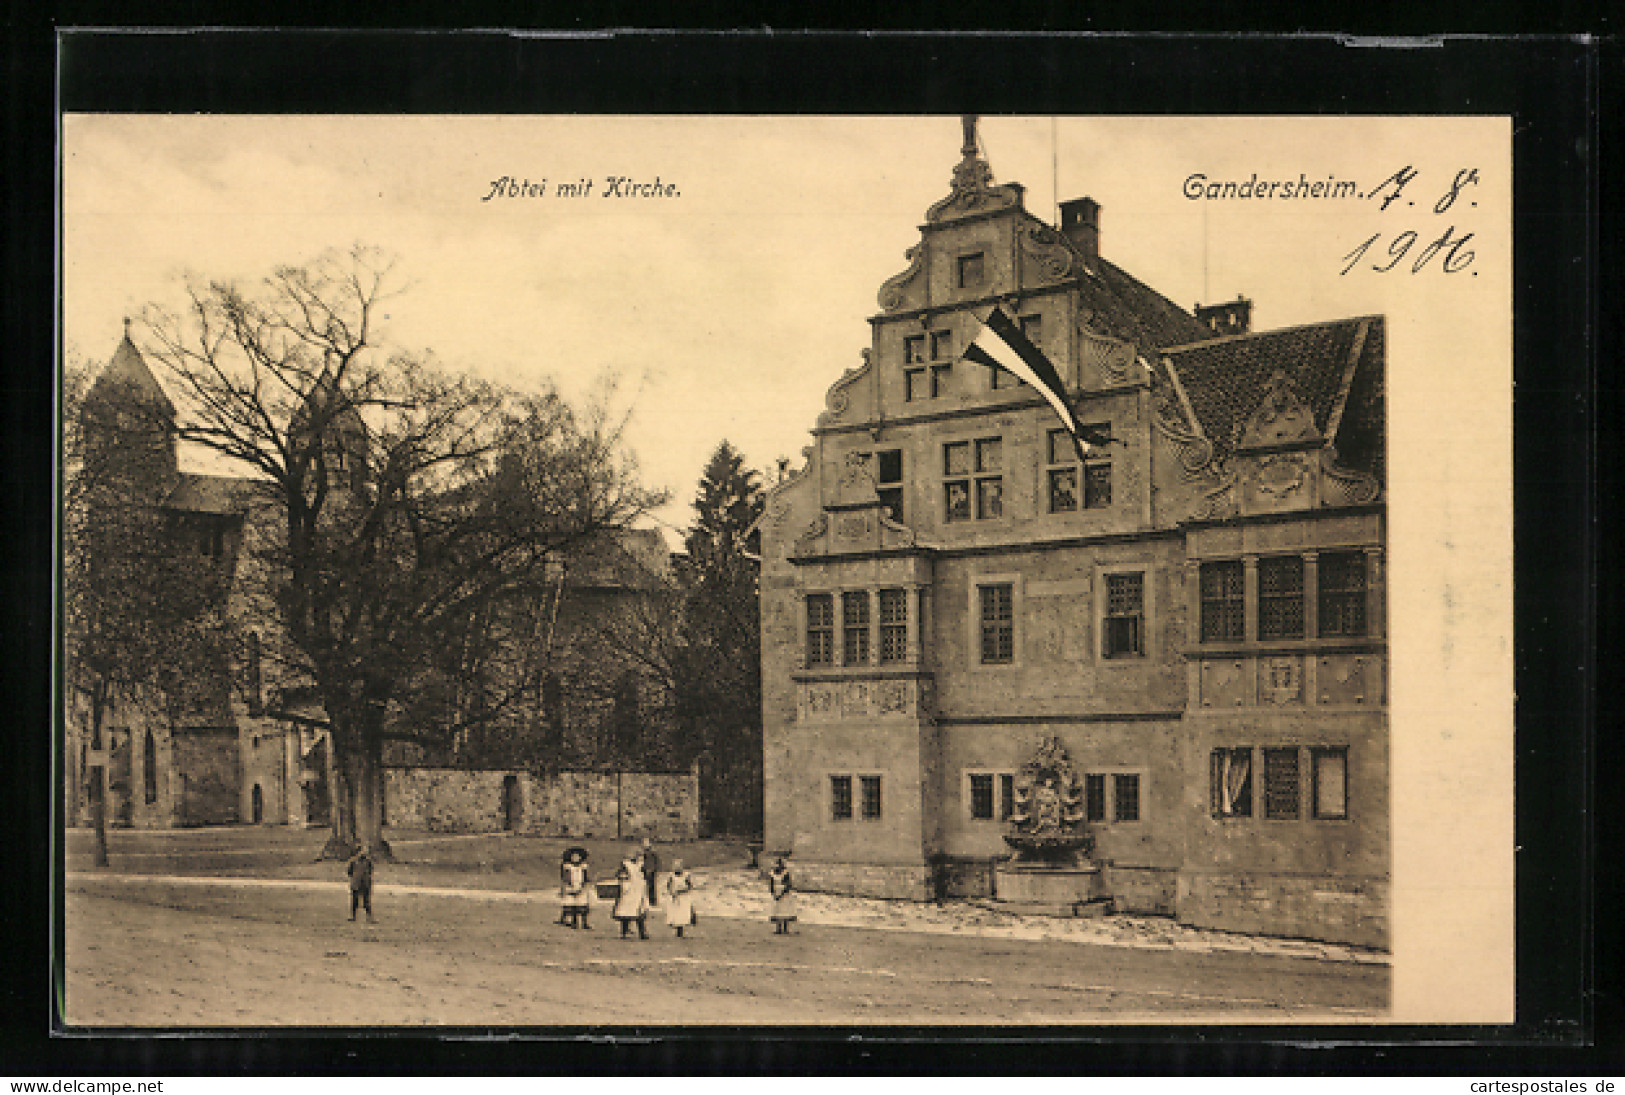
<point>360,871</point>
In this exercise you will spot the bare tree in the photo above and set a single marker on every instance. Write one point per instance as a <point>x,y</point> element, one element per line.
<point>404,502</point>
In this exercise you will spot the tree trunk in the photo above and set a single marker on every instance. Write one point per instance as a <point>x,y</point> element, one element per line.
<point>97,774</point>
<point>342,843</point>
<point>358,817</point>
<point>369,817</point>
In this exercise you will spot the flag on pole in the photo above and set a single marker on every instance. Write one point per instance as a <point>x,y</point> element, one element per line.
<point>1001,345</point>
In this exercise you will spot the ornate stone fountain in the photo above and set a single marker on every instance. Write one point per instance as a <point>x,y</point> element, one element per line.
<point>1050,872</point>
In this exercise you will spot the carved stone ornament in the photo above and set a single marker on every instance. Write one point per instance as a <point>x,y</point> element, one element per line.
<point>822,699</point>
<point>838,399</point>
<point>1279,475</point>
<point>1282,417</point>
<point>1111,359</point>
<point>891,698</point>
<point>1048,821</point>
<point>1281,680</point>
<point>1342,486</point>
<point>1220,500</point>
<point>1195,451</point>
<point>807,542</point>
<point>894,534</point>
<point>855,489</point>
<point>972,191</point>
<point>852,526</point>
<point>891,290</point>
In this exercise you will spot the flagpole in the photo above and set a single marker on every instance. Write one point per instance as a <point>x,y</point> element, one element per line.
<point>1054,174</point>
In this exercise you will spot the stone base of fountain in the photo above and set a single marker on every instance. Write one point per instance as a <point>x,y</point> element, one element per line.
<point>1047,888</point>
<point>1051,873</point>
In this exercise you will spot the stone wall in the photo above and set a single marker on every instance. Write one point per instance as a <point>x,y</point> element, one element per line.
<point>965,876</point>
<point>660,805</point>
<point>206,768</point>
<point>1338,910</point>
<point>577,804</point>
<point>1142,890</point>
<point>620,805</point>
<point>446,800</point>
<point>903,882</point>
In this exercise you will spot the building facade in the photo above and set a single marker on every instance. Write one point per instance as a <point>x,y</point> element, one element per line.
<point>1195,610</point>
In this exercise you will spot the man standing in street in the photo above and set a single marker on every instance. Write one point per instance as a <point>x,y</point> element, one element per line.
<point>651,870</point>
<point>360,871</point>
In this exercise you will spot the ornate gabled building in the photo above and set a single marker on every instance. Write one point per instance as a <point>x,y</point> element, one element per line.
<point>1195,611</point>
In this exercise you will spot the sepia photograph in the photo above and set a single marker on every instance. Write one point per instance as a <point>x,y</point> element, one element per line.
<point>552,571</point>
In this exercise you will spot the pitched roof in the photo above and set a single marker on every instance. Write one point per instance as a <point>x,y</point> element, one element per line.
<point>128,379</point>
<point>1125,307</point>
<point>1226,378</point>
<point>211,493</point>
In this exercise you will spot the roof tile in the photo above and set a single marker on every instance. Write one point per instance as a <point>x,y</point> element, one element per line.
<point>1226,378</point>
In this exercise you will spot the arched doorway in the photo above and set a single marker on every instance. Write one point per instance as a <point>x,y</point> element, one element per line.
<point>149,768</point>
<point>257,805</point>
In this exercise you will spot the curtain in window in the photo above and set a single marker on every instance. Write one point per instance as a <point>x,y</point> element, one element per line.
<point>1234,770</point>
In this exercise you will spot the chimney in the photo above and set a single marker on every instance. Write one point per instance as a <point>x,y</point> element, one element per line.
<point>1080,223</point>
<point>1232,318</point>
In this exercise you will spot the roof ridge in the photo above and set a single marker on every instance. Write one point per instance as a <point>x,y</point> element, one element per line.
<point>128,369</point>
<point>1220,340</point>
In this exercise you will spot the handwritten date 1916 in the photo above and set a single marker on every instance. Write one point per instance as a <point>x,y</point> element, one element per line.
<point>1449,245</point>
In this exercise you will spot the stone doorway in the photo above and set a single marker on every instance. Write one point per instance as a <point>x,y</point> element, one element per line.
<point>510,803</point>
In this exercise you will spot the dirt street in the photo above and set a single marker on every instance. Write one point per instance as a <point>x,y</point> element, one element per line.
<point>155,954</point>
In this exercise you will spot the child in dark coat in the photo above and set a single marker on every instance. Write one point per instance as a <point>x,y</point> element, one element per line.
<point>360,871</point>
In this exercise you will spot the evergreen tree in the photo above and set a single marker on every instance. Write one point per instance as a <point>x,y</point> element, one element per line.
<point>719,683</point>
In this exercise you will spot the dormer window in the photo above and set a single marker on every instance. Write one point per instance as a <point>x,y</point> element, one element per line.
<point>971,270</point>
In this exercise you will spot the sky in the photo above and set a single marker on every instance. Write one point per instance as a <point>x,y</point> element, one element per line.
<point>727,310</point>
<point>723,312</point>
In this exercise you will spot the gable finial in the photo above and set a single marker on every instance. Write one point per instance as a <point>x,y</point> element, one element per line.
<point>126,326</point>
<point>968,122</point>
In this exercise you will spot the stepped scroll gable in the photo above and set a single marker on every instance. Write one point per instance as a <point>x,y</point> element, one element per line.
<point>1193,610</point>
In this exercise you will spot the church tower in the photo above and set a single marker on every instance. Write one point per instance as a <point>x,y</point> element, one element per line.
<point>128,426</point>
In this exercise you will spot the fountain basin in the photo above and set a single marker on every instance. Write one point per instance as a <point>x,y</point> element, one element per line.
<point>1045,889</point>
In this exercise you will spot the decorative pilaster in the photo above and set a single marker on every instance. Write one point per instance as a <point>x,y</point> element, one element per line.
<point>914,605</point>
<point>1311,594</point>
<point>1375,600</point>
<point>1249,567</point>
